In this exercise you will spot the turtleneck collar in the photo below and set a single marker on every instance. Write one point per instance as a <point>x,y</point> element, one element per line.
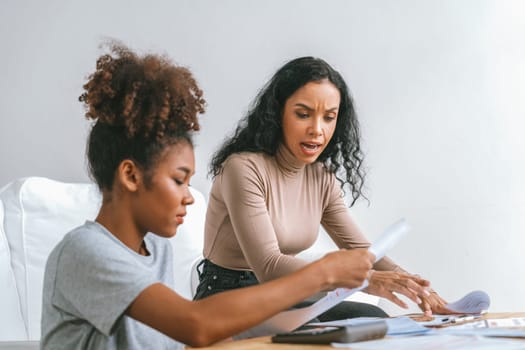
<point>286,161</point>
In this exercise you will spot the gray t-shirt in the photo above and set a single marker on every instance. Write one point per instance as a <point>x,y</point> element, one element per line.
<point>91,279</point>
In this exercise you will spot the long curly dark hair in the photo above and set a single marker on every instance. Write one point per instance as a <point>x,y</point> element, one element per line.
<point>261,129</point>
<point>139,105</point>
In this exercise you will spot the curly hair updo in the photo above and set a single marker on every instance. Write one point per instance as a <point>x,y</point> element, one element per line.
<point>139,105</point>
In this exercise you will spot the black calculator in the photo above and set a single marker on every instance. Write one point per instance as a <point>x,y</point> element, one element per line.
<point>327,335</point>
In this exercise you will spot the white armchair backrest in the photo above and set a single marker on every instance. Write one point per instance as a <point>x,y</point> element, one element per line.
<point>12,326</point>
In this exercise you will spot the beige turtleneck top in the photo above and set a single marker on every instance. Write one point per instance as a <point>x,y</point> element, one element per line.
<point>263,210</point>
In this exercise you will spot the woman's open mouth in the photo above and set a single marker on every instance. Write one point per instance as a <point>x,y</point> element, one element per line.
<point>310,148</point>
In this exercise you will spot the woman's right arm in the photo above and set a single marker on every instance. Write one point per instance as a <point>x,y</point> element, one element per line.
<point>206,321</point>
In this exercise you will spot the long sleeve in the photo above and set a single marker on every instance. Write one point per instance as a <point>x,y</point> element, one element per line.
<point>263,210</point>
<point>242,192</point>
<point>340,226</point>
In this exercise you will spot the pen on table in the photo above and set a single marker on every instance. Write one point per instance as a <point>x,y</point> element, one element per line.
<point>463,319</point>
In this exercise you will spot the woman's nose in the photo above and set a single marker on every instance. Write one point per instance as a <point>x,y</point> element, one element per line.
<point>315,127</point>
<point>188,198</point>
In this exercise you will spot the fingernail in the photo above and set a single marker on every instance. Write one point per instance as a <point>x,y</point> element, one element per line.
<point>427,293</point>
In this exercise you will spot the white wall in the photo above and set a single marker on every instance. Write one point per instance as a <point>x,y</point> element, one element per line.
<point>438,85</point>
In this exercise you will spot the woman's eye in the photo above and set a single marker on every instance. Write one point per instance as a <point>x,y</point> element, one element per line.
<point>178,182</point>
<point>302,115</point>
<point>329,118</point>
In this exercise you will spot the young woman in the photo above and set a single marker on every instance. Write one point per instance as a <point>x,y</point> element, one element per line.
<point>108,282</point>
<point>280,176</point>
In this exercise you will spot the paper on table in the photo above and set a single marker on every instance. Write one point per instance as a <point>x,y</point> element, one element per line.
<point>435,341</point>
<point>475,302</point>
<point>289,320</point>
<point>506,322</point>
<point>401,325</point>
<point>514,324</point>
<point>486,332</point>
<point>446,320</point>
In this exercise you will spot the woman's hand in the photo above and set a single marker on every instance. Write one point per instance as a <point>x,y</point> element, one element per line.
<point>385,283</point>
<point>433,303</point>
<point>347,268</point>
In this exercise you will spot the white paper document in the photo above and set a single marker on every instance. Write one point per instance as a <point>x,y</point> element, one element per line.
<point>486,332</point>
<point>512,323</point>
<point>401,325</point>
<point>289,320</point>
<point>436,341</point>
<point>475,302</point>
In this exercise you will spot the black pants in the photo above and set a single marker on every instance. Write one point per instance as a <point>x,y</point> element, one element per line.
<point>215,279</point>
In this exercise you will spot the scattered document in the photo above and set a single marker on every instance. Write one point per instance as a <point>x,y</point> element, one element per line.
<point>413,335</point>
<point>476,302</point>
<point>436,341</point>
<point>445,320</point>
<point>495,327</point>
<point>402,325</point>
<point>506,322</point>
<point>486,332</point>
<point>289,320</point>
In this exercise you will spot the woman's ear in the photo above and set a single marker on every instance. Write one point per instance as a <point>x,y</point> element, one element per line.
<point>129,175</point>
